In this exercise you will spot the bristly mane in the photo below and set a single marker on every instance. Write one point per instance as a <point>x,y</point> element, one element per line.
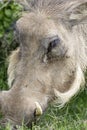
<point>54,8</point>
<point>55,5</point>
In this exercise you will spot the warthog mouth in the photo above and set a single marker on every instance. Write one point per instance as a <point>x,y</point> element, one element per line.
<point>27,120</point>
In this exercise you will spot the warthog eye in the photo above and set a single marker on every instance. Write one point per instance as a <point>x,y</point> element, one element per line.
<point>53,44</point>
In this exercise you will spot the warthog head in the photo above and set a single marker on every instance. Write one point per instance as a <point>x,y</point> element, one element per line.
<point>50,60</point>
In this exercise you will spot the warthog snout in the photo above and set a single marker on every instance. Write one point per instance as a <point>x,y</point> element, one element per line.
<point>50,61</point>
<point>30,110</point>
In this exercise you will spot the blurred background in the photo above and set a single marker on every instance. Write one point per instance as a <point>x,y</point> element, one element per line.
<point>10,11</point>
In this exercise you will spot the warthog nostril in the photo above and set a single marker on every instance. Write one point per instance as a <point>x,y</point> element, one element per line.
<point>38,111</point>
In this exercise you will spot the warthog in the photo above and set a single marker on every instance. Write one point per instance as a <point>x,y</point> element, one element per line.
<point>50,61</point>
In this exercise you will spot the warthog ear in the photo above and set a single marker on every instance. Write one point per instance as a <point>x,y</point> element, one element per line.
<point>77,11</point>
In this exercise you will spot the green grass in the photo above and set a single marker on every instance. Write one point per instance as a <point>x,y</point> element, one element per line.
<point>72,117</point>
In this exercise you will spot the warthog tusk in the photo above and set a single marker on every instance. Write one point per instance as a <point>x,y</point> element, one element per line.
<point>38,111</point>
